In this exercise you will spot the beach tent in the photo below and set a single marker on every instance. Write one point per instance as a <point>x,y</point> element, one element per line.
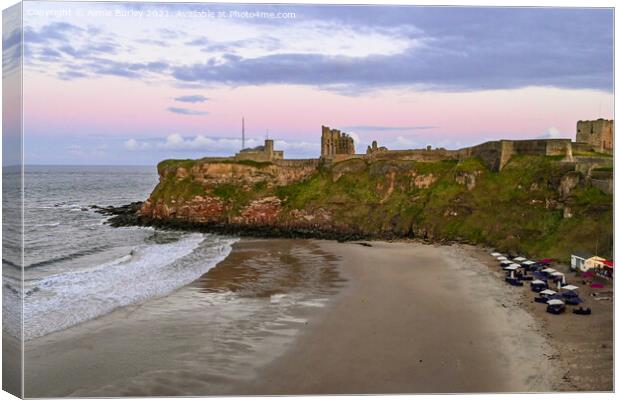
<point>548,292</point>
<point>500,258</point>
<point>537,285</point>
<point>559,278</point>
<point>519,259</point>
<point>512,268</point>
<point>496,254</point>
<point>555,306</point>
<point>570,296</point>
<point>549,270</point>
<point>528,262</point>
<point>505,262</point>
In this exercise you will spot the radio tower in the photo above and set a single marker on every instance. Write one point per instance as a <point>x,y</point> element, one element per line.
<point>242,133</point>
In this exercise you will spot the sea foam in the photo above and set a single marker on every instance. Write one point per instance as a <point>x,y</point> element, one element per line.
<point>63,300</point>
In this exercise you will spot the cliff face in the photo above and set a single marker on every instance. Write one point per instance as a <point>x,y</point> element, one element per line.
<point>536,205</point>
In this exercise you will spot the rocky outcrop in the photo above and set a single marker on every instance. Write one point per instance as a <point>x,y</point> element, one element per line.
<point>350,167</point>
<point>210,174</point>
<point>515,209</point>
<point>467,179</point>
<point>198,208</point>
<point>568,182</point>
<point>423,181</point>
<point>265,210</point>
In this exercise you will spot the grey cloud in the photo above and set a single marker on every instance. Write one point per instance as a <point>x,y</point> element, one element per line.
<point>53,31</point>
<point>50,53</point>
<point>102,66</point>
<point>155,42</point>
<point>465,49</point>
<point>452,64</point>
<point>197,98</point>
<point>170,33</point>
<point>13,38</point>
<point>70,75</point>
<point>207,45</point>
<point>11,51</point>
<point>186,111</point>
<point>200,41</point>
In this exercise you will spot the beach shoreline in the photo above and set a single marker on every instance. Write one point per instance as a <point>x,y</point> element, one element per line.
<point>322,317</point>
<point>415,318</point>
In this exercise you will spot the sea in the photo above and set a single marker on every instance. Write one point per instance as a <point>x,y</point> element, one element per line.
<point>77,267</point>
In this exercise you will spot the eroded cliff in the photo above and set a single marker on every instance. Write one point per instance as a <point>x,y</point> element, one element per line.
<point>536,204</point>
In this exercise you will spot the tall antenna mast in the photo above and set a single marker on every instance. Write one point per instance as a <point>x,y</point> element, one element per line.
<point>242,133</point>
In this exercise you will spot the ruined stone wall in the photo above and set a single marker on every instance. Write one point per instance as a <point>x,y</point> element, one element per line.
<point>375,148</point>
<point>300,163</point>
<point>217,159</point>
<point>414,155</point>
<point>496,154</point>
<point>335,142</point>
<point>343,157</point>
<point>258,156</point>
<point>581,147</point>
<point>560,147</point>
<point>605,185</point>
<point>599,134</point>
<point>491,153</point>
<point>542,147</point>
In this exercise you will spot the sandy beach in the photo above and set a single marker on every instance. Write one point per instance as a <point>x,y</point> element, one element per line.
<point>415,319</point>
<point>321,317</point>
<point>584,344</point>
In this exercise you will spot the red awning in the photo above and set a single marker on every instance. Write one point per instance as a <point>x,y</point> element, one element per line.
<point>546,260</point>
<point>608,263</point>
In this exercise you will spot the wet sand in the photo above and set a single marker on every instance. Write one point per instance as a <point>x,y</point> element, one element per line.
<point>316,317</point>
<point>206,338</point>
<point>415,319</point>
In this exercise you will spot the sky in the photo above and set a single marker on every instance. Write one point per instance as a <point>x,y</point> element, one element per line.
<point>135,83</point>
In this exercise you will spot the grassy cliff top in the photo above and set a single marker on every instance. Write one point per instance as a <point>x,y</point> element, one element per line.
<point>521,209</point>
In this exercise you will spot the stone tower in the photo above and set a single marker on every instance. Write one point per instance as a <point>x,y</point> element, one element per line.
<point>269,147</point>
<point>335,142</point>
<point>599,134</point>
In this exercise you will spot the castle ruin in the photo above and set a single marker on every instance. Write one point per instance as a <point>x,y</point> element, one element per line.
<point>334,142</point>
<point>591,137</point>
<point>599,134</point>
<point>260,153</point>
<point>374,148</point>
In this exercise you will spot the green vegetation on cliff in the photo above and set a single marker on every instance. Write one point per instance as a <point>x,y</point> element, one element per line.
<point>535,205</point>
